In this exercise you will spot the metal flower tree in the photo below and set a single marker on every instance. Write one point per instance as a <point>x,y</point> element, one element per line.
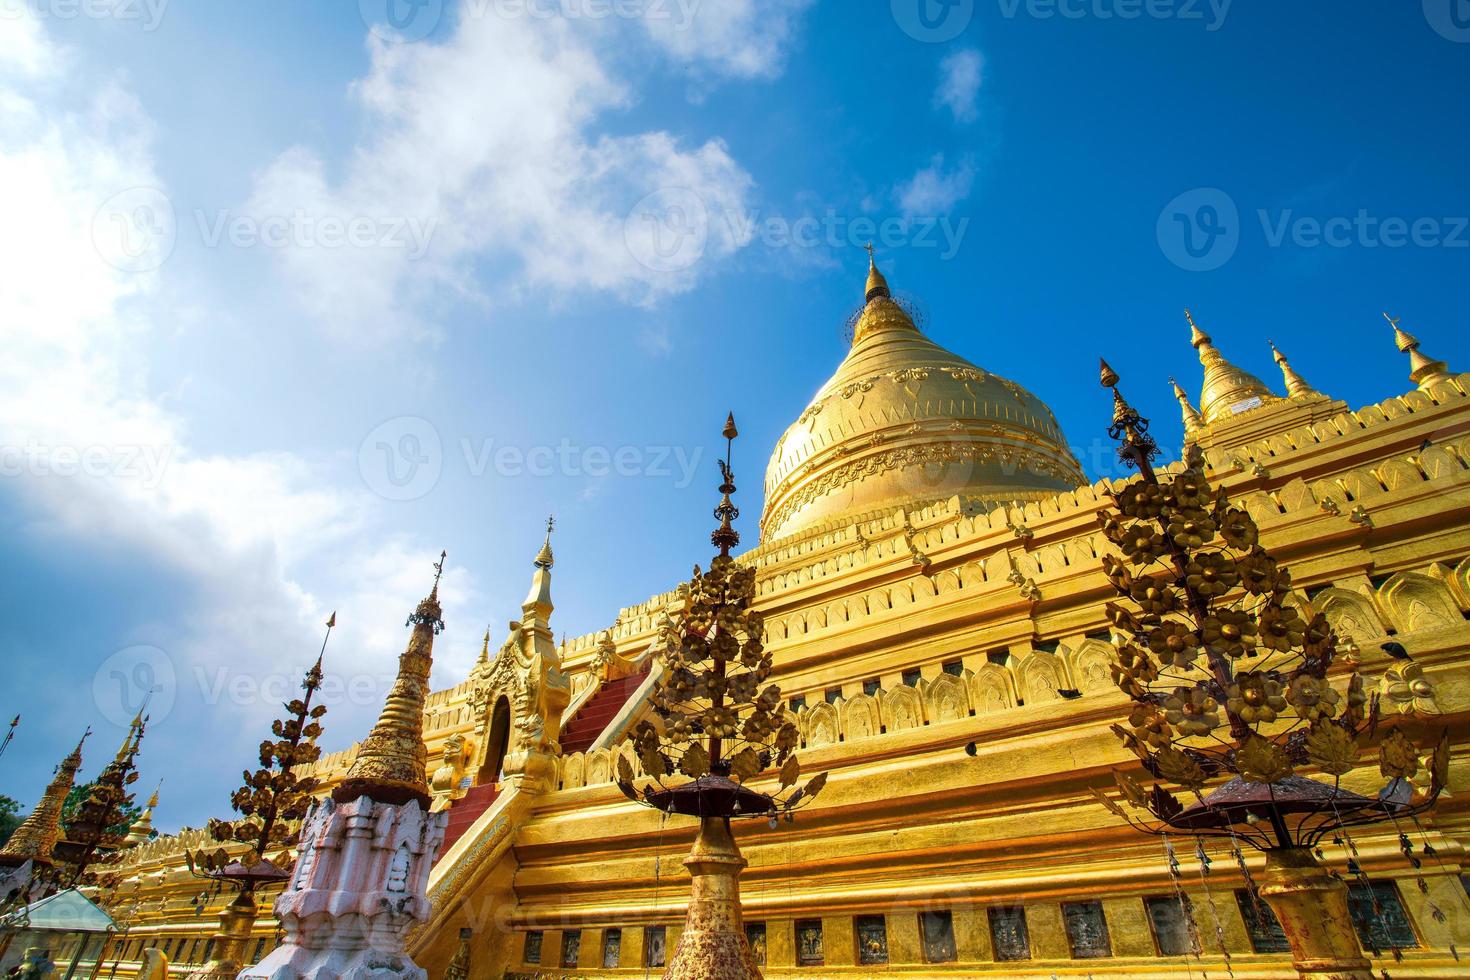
<point>1228,679</point>
<point>271,803</point>
<point>98,827</point>
<point>718,728</point>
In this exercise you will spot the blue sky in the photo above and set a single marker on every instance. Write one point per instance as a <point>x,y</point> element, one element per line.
<point>292,301</point>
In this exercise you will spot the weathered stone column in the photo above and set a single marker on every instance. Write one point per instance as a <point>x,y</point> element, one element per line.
<point>1312,907</point>
<point>713,945</point>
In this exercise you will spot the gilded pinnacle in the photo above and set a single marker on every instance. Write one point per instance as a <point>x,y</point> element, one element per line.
<point>1191,415</point>
<point>36,837</point>
<point>392,763</point>
<point>877,285</point>
<point>1424,370</point>
<point>1296,386</point>
<point>544,559</point>
<point>1228,390</point>
<point>1107,375</point>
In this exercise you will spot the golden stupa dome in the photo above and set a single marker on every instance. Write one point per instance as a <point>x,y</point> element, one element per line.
<point>905,422</point>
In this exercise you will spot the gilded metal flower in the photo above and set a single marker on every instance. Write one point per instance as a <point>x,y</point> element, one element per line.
<point>1230,632</point>
<point>1190,528</point>
<point>1281,627</point>
<point>1150,725</point>
<point>1255,697</point>
<point>1238,529</point>
<point>1134,670</point>
<point>1211,574</point>
<point>1192,711</point>
<point>1142,543</point>
<point>1154,596</point>
<point>1142,500</point>
<point>1191,491</point>
<point>1175,642</point>
<point>1258,572</point>
<point>1312,697</point>
<point>1260,760</point>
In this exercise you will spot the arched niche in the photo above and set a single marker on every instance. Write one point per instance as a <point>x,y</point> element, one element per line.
<point>1418,602</point>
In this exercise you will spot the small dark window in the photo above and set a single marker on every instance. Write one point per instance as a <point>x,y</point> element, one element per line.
<point>612,948</point>
<point>1168,917</point>
<point>571,947</point>
<point>955,668</point>
<point>1104,635</point>
<point>809,943</point>
<point>533,947</point>
<point>259,951</point>
<point>999,657</point>
<point>872,686</point>
<point>1008,934</point>
<point>208,949</point>
<point>1087,930</point>
<point>1047,646</point>
<point>755,935</point>
<point>1379,916</point>
<point>1260,923</point>
<point>872,938</point>
<point>796,704</point>
<point>193,952</point>
<point>655,940</point>
<point>936,929</point>
<point>833,693</point>
<point>911,678</point>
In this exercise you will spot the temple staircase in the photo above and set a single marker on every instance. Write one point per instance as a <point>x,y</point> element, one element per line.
<point>580,732</point>
<point>464,811</point>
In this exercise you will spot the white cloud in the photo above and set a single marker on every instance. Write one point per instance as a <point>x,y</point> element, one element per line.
<point>959,84</point>
<point>733,38</point>
<point>935,190</point>
<point>488,139</point>
<point>655,340</point>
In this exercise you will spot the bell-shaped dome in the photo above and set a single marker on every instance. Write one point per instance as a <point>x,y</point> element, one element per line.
<point>906,422</point>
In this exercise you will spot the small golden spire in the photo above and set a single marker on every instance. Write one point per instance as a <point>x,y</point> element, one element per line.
<point>544,559</point>
<point>1296,385</point>
<point>36,837</point>
<point>142,829</point>
<point>392,763</point>
<point>1192,420</point>
<point>877,285</point>
<point>1227,390</point>
<point>1424,370</point>
<point>485,648</point>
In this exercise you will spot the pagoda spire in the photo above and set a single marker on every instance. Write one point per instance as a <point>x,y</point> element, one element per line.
<point>392,763</point>
<point>538,606</point>
<point>1192,420</point>
<point>1228,390</point>
<point>1424,371</point>
<point>877,284</point>
<point>36,837</point>
<point>1296,385</point>
<point>141,832</point>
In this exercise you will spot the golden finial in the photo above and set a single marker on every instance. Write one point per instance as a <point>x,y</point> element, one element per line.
<point>1192,419</point>
<point>1197,337</point>
<point>1296,385</point>
<point>877,285</point>
<point>1424,370</point>
<point>725,536</point>
<point>544,559</point>
<point>1228,390</point>
<point>392,763</point>
<point>485,647</point>
<point>141,830</point>
<point>36,837</point>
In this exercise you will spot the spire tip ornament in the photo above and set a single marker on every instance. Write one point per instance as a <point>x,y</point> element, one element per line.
<point>877,285</point>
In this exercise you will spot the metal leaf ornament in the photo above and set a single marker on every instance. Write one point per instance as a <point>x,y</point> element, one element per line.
<point>1229,674</point>
<point>715,718</point>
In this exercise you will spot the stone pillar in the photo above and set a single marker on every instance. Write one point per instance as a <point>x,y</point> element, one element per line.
<point>235,924</point>
<point>1312,907</point>
<point>360,883</point>
<point>712,943</point>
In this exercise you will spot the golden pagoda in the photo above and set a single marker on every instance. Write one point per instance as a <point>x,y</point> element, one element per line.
<point>39,833</point>
<point>930,581</point>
